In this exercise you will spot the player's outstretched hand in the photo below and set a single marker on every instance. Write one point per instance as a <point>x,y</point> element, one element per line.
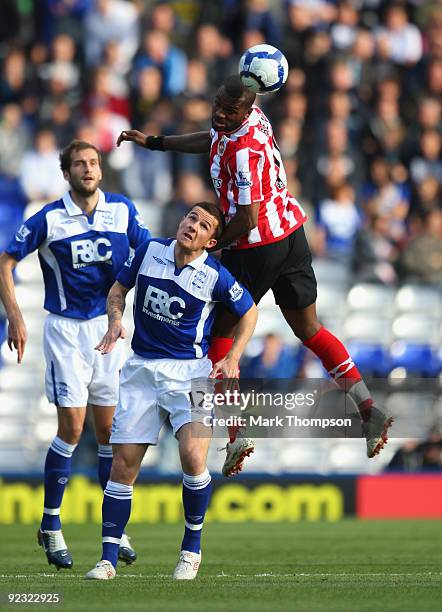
<point>228,367</point>
<point>132,136</point>
<point>17,336</point>
<point>108,341</point>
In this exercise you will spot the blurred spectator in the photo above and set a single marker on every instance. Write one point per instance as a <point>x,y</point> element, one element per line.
<point>427,195</point>
<point>338,220</point>
<point>190,188</point>
<point>111,20</point>
<point>103,94</point>
<point>414,456</point>
<point>147,95</point>
<point>13,77</point>
<point>399,40</point>
<point>15,139</point>
<point>275,362</point>
<point>374,253</point>
<point>343,30</point>
<point>172,62</point>
<point>215,51</point>
<point>259,17</point>
<point>421,260</point>
<point>40,169</point>
<point>387,198</point>
<point>429,161</point>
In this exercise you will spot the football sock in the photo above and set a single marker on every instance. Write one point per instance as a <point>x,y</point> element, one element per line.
<point>104,463</point>
<point>57,473</point>
<point>337,361</point>
<point>219,347</point>
<point>196,496</point>
<point>117,501</point>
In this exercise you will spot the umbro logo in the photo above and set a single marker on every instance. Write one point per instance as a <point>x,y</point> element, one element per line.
<point>158,260</point>
<point>108,524</point>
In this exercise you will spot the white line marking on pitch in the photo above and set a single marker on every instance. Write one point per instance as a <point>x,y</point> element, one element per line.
<point>223,575</point>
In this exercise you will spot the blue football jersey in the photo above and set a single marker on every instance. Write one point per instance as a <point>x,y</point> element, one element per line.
<point>80,256</point>
<point>174,308</point>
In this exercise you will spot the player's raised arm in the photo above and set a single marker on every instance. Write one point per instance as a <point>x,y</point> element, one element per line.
<point>229,365</point>
<point>17,334</point>
<point>116,303</point>
<point>244,220</point>
<point>197,142</point>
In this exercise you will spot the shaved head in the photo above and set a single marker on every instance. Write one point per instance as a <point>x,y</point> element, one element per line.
<point>234,89</point>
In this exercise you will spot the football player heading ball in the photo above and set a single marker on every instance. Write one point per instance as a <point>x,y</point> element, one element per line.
<point>268,247</point>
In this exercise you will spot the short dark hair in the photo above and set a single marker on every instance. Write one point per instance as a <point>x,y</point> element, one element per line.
<point>75,145</point>
<point>216,212</point>
<point>235,89</point>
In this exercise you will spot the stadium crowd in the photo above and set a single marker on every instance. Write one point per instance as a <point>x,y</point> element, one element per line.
<point>358,121</point>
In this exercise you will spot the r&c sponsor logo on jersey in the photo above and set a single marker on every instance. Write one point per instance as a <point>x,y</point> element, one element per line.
<point>86,252</point>
<point>22,233</point>
<point>163,307</point>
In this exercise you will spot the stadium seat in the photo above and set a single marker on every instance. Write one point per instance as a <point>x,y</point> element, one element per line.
<point>300,455</point>
<point>30,297</point>
<point>416,298</point>
<point>416,327</point>
<point>413,412</point>
<point>28,270</point>
<point>331,301</point>
<point>368,327</point>
<point>415,358</point>
<point>15,403</point>
<point>366,297</point>
<point>370,358</point>
<point>331,272</point>
<point>45,429</point>
<point>272,322</point>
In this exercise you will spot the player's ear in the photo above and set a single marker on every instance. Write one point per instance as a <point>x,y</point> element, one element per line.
<point>211,243</point>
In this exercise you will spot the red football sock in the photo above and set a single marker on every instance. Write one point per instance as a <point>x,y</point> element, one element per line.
<point>219,347</point>
<point>338,363</point>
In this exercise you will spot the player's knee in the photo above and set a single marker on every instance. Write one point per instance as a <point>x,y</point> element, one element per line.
<point>193,461</point>
<point>103,434</point>
<point>70,432</point>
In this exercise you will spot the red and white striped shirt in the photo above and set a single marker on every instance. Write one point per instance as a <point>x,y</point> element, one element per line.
<point>246,167</point>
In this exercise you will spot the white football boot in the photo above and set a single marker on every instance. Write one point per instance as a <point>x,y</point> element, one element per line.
<point>187,566</point>
<point>104,570</point>
<point>375,431</point>
<point>237,451</point>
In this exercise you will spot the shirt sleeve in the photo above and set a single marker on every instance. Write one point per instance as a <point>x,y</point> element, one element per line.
<point>127,276</point>
<point>29,236</point>
<point>231,293</point>
<point>137,231</point>
<point>246,168</point>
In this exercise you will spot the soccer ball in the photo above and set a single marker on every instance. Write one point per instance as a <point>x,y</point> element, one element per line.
<point>263,69</point>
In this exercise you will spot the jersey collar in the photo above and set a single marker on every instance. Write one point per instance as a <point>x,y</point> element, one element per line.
<point>196,263</point>
<point>73,210</point>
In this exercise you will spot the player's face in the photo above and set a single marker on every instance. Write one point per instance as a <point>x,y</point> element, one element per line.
<point>84,174</point>
<point>228,114</point>
<point>196,231</point>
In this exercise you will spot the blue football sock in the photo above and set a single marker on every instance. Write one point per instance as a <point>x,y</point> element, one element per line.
<point>196,495</point>
<point>117,503</point>
<point>104,463</point>
<point>57,473</point>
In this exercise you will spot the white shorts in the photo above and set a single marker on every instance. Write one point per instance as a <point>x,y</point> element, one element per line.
<point>76,374</point>
<point>152,390</point>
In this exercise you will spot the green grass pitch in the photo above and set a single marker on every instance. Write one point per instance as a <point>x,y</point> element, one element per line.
<point>350,565</point>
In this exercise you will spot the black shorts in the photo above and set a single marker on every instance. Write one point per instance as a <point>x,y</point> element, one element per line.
<point>285,267</point>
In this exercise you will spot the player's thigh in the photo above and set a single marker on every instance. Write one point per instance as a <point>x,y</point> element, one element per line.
<point>138,417</point>
<point>67,371</point>
<point>103,386</point>
<point>295,286</point>
<point>177,382</point>
<point>103,416</point>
